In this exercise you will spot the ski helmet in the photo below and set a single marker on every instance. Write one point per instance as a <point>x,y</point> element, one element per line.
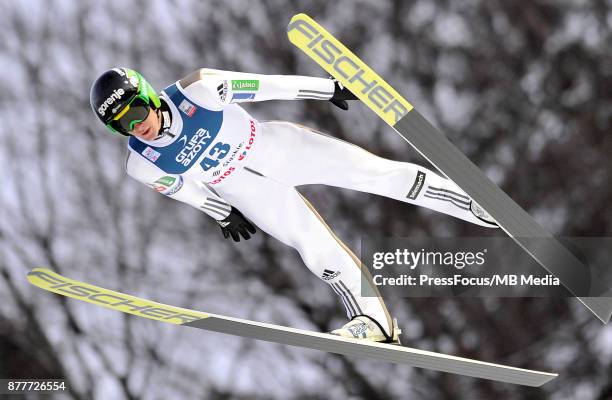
<point>121,97</point>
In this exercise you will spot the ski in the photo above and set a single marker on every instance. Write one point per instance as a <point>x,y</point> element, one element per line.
<point>56,283</point>
<point>388,104</point>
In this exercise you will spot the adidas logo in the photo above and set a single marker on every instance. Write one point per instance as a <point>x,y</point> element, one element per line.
<point>327,274</point>
<point>359,330</point>
<point>222,91</point>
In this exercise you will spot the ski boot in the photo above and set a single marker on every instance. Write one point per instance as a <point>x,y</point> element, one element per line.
<point>366,328</point>
<point>481,214</point>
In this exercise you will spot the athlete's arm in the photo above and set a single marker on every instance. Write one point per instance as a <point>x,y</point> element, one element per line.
<point>216,89</point>
<point>176,187</point>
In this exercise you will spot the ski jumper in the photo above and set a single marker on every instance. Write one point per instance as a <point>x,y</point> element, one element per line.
<point>215,156</point>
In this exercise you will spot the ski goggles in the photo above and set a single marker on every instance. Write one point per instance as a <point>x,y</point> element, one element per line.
<point>136,111</point>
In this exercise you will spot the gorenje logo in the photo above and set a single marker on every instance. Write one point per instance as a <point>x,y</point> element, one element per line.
<point>117,93</point>
<point>119,71</point>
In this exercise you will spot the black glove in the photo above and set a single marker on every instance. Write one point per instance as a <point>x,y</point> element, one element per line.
<point>235,224</point>
<point>341,95</point>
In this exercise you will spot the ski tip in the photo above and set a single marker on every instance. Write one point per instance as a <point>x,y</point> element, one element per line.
<point>39,269</point>
<point>300,16</point>
<point>298,20</point>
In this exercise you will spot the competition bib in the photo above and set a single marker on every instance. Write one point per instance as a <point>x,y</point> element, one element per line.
<point>200,128</point>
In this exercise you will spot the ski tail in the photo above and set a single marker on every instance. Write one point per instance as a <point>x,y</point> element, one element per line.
<point>388,104</point>
<point>49,280</point>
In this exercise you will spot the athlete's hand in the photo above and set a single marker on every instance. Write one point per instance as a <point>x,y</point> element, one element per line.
<point>235,225</point>
<point>341,95</point>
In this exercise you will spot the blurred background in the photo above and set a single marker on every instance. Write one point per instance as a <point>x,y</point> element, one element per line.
<point>523,88</point>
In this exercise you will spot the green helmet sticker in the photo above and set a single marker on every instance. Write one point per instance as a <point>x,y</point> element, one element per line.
<point>145,90</point>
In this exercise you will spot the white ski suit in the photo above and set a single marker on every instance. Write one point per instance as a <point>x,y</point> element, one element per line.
<point>215,156</point>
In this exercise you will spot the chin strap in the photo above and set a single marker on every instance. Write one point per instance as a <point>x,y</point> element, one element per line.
<point>163,112</point>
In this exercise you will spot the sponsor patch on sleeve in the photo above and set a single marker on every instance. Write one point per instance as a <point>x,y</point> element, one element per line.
<point>244,85</point>
<point>417,185</point>
<point>243,96</point>
<point>151,154</point>
<point>168,185</point>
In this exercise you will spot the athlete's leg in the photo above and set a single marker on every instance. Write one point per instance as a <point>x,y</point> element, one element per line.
<point>296,155</point>
<point>283,213</point>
